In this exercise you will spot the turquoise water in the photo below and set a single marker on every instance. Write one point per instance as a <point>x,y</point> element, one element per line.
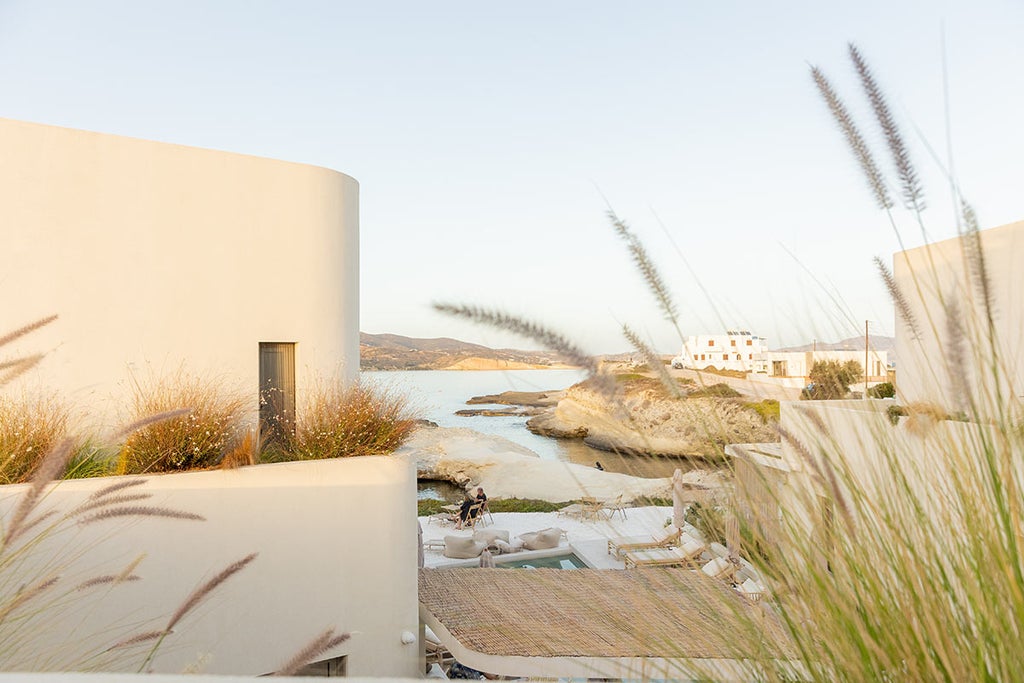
<point>439,393</point>
<point>570,561</point>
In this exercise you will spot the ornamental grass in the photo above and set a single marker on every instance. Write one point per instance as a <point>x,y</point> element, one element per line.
<point>339,421</point>
<point>211,426</point>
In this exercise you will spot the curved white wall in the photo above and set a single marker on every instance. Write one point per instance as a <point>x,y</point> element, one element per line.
<point>337,549</point>
<point>160,254</point>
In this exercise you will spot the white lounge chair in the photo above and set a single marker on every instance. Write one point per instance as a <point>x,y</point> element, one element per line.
<point>685,555</point>
<point>666,539</point>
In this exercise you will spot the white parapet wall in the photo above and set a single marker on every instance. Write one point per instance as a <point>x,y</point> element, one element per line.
<point>336,548</point>
<point>159,256</point>
<point>948,357</point>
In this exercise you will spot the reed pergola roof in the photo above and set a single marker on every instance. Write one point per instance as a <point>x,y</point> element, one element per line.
<point>588,615</point>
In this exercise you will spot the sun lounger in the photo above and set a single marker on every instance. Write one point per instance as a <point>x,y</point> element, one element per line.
<point>686,555</point>
<point>720,568</point>
<point>620,544</point>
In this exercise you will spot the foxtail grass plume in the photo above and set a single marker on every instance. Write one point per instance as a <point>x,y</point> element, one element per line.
<point>51,467</point>
<point>118,486</point>
<point>204,590</point>
<point>956,350</point>
<point>978,269</point>
<point>12,369</point>
<point>643,262</point>
<point>27,594</point>
<point>140,511</point>
<point>860,149</point>
<point>898,299</point>
<point>653,361</point>
<point>910,185</point>
<point>548,338</point>
<point>22,331</point>
<point>106,579</point>
<point>825,476</point>
<point>318,646</point>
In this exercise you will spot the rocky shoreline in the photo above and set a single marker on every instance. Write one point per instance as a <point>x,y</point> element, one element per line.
<point>468,458</point>
<point>641,419</point>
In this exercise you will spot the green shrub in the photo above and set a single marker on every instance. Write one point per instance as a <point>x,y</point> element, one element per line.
<point>91,459</point>
<point>341,422</point>
<point>830,380</point>
<point>768,409</point>
<point>30,425</point>
<point>720,390</point>
<point>198,439</point>
<point>883,390</point>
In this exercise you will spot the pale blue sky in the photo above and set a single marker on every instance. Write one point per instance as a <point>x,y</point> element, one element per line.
<point>484,134</point>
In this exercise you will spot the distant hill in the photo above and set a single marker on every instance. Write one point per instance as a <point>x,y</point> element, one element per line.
<point>395,352</point>
<point>878,343</point>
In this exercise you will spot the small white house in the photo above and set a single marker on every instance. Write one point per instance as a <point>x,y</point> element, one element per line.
<point>796,365</point>
<point>734,350</point>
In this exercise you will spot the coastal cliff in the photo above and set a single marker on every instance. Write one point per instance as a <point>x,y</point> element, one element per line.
<point>642,418</point>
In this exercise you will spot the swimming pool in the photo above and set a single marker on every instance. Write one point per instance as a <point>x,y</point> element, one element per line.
<point>564,561</point>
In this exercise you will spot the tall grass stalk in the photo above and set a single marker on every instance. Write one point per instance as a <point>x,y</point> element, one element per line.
<point>894,551</point>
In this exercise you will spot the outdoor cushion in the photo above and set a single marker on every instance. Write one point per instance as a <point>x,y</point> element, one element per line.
<point>489,536</point>
<point>462,547</point>
<point>716,567</point>
<point>690,546</point>
<point>502,546</point>
<point>541,540</point>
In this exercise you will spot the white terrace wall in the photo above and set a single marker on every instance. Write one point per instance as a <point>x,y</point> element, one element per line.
<point>337,549</point>
<point>862,444</point>
<point>156,256</point>
<point>935,279</point>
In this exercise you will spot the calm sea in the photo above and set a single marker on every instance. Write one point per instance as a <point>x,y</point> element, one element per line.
<point>439,393</point>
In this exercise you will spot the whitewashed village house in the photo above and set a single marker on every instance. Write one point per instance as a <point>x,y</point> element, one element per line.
<point>243,270</point>
<point>734,350</point>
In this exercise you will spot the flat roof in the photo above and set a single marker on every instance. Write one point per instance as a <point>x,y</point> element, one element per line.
<point>650,622</point>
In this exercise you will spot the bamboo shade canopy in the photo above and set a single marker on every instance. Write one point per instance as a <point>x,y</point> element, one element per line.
<point>658,613</point>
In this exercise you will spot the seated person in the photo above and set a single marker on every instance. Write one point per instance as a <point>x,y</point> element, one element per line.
<point>471,507</point>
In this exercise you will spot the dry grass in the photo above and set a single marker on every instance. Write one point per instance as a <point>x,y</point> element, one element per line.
<point>340,422</point>
<point>30,426</point>
<point>211,428</point>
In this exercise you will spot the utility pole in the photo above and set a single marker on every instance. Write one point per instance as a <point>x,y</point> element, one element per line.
<point>865,359</point>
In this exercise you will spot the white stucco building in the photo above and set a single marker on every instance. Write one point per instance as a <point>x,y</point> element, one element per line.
<point>793,368</point>
<point>948,351</point>
<point>238,269</point>
<point>158,256</point>
<point>734,350</point>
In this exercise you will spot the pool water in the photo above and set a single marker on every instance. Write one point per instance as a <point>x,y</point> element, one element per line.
<point>570,561</point>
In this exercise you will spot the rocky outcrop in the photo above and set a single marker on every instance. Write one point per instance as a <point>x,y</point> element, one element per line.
<point>643,419</point>
<point>508,470</point>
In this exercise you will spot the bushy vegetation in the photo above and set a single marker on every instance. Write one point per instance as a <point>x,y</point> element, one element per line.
<point>30,426</point>
<point>432,506</point>
<point>339,422</point>
<point>830,379</point>
<point>720,390</point>
<point>768,409</point>
<point>210,426</point>
<point>883,390</point>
